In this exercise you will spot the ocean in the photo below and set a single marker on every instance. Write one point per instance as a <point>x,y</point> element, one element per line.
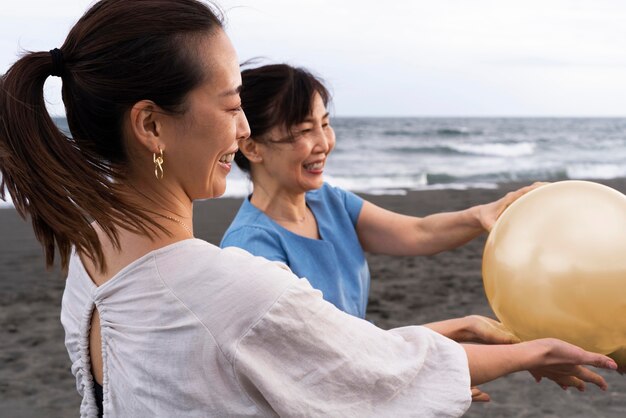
<point>395,155</point>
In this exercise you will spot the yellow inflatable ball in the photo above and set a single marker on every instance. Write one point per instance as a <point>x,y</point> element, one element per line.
<point>555,266</point>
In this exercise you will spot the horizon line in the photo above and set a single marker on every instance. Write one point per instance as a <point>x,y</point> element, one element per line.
<point>465,116</point>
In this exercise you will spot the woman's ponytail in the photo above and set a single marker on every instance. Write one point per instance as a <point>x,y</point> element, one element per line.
<point>50,179</point>
<point>120,52</point>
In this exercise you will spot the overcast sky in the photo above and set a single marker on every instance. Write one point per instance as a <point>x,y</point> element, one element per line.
<point>408,57</point>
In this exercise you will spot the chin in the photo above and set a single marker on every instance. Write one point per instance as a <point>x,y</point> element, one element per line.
<point>218,193</point>
<point>214,192</point>
<point>315,186</point>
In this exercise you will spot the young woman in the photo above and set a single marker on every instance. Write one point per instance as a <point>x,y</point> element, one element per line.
<point>170,325</point>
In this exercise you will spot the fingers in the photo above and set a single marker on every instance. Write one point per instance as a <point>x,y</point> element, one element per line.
<point>514,195</point>
<point>587,375</point>
<point>561,352</point>
<point>620,358</point>
<point>536,375</point>
<point>489,331</point>
<point>600,361</point>
<point>499,206</point>
<point>569,381</point>
<point>479,396</point>
<point>505,335</point>
<point>575,376</point>
<point>537,184</point>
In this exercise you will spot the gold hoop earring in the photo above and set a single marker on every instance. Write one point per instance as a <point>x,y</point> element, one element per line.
<point>158,164</point>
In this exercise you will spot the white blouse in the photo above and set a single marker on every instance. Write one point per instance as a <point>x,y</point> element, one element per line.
<point>194,330</point>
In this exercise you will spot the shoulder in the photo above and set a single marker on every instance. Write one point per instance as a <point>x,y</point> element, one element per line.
<point>326,191</point>
<point>249,221</point>
<point>332,193</point>
<point>336,198</point>
<point>262,240</point>
<point>227,290</point>
<point>253,231</point>
<point>200,257</point>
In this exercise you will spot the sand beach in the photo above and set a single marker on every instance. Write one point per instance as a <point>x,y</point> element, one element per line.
<point>35,377</point>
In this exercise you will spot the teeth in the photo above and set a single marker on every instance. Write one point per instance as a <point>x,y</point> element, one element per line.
<point>227,158</point>
<point>315,166</point>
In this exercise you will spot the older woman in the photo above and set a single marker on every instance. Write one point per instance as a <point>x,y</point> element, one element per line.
<point>320,231</point>
<point>168,325</point>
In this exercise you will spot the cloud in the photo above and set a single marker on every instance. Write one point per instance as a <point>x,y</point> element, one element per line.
<point>410,57</point>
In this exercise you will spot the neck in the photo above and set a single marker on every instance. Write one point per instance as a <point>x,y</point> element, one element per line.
<point>180,222</point>
<point>280,205</point>
<point>171,210</point>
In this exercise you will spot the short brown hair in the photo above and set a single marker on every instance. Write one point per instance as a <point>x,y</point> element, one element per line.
<point>277,95</point>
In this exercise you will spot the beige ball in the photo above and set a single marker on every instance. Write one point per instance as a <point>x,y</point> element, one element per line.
<point>555,265</point>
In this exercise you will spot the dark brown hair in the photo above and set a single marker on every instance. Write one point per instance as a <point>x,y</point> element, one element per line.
<point>277,95</point>
<point>118,53</point>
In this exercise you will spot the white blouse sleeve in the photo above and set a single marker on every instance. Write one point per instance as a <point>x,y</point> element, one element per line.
<point>304,357</point>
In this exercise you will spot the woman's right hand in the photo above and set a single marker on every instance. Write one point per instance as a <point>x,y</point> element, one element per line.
<point>563,363</point>
<point>490,212</point>
<point>550,358</point>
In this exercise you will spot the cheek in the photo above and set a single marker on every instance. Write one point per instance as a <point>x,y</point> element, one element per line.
<point>332,143</point>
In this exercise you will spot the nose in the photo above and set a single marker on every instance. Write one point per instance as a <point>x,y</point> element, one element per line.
<point>325,140</point>
<point>243,128</point>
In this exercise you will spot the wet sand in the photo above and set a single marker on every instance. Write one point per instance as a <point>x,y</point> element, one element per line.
<point>35,378</point>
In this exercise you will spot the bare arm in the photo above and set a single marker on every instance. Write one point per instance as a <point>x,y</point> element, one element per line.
<point>550,358</point>
<point>475,328</point>
<point>385,232</point>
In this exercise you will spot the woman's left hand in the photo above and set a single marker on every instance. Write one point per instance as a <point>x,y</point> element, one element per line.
<point>474,329</point>
<point>480,329</point>
<point>479,396</point>
<point>490,212</point>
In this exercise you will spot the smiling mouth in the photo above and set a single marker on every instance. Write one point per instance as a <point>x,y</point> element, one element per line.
<point>314,166</point>
<point>227,158</point>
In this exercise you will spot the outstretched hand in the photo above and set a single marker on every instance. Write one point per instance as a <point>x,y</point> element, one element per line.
<point>553,359</point>
<point>563,363</point>
<point>490,212</point>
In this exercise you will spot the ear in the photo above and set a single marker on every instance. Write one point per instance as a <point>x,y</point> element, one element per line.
<point>251,149</point>
<point>146,125</point>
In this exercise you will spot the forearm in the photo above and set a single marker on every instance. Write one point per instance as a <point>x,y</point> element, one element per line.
<point>384,232</point>
<point>445,231</point>
<point>381,231</point>
<point>489,362</point>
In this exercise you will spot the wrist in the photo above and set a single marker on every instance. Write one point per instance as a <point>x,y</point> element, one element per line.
<point>466,329</point>
<point>529,354</point>
<point>475,216</point>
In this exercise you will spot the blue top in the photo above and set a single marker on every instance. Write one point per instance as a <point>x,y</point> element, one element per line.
<point>334,264</point>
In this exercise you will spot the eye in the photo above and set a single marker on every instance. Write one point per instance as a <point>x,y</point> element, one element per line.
<point>302,131</point>
<point>236,109</point>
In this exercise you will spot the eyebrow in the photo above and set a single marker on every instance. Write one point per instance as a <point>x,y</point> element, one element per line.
<point>232,92</point>
<point>310,119</point>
